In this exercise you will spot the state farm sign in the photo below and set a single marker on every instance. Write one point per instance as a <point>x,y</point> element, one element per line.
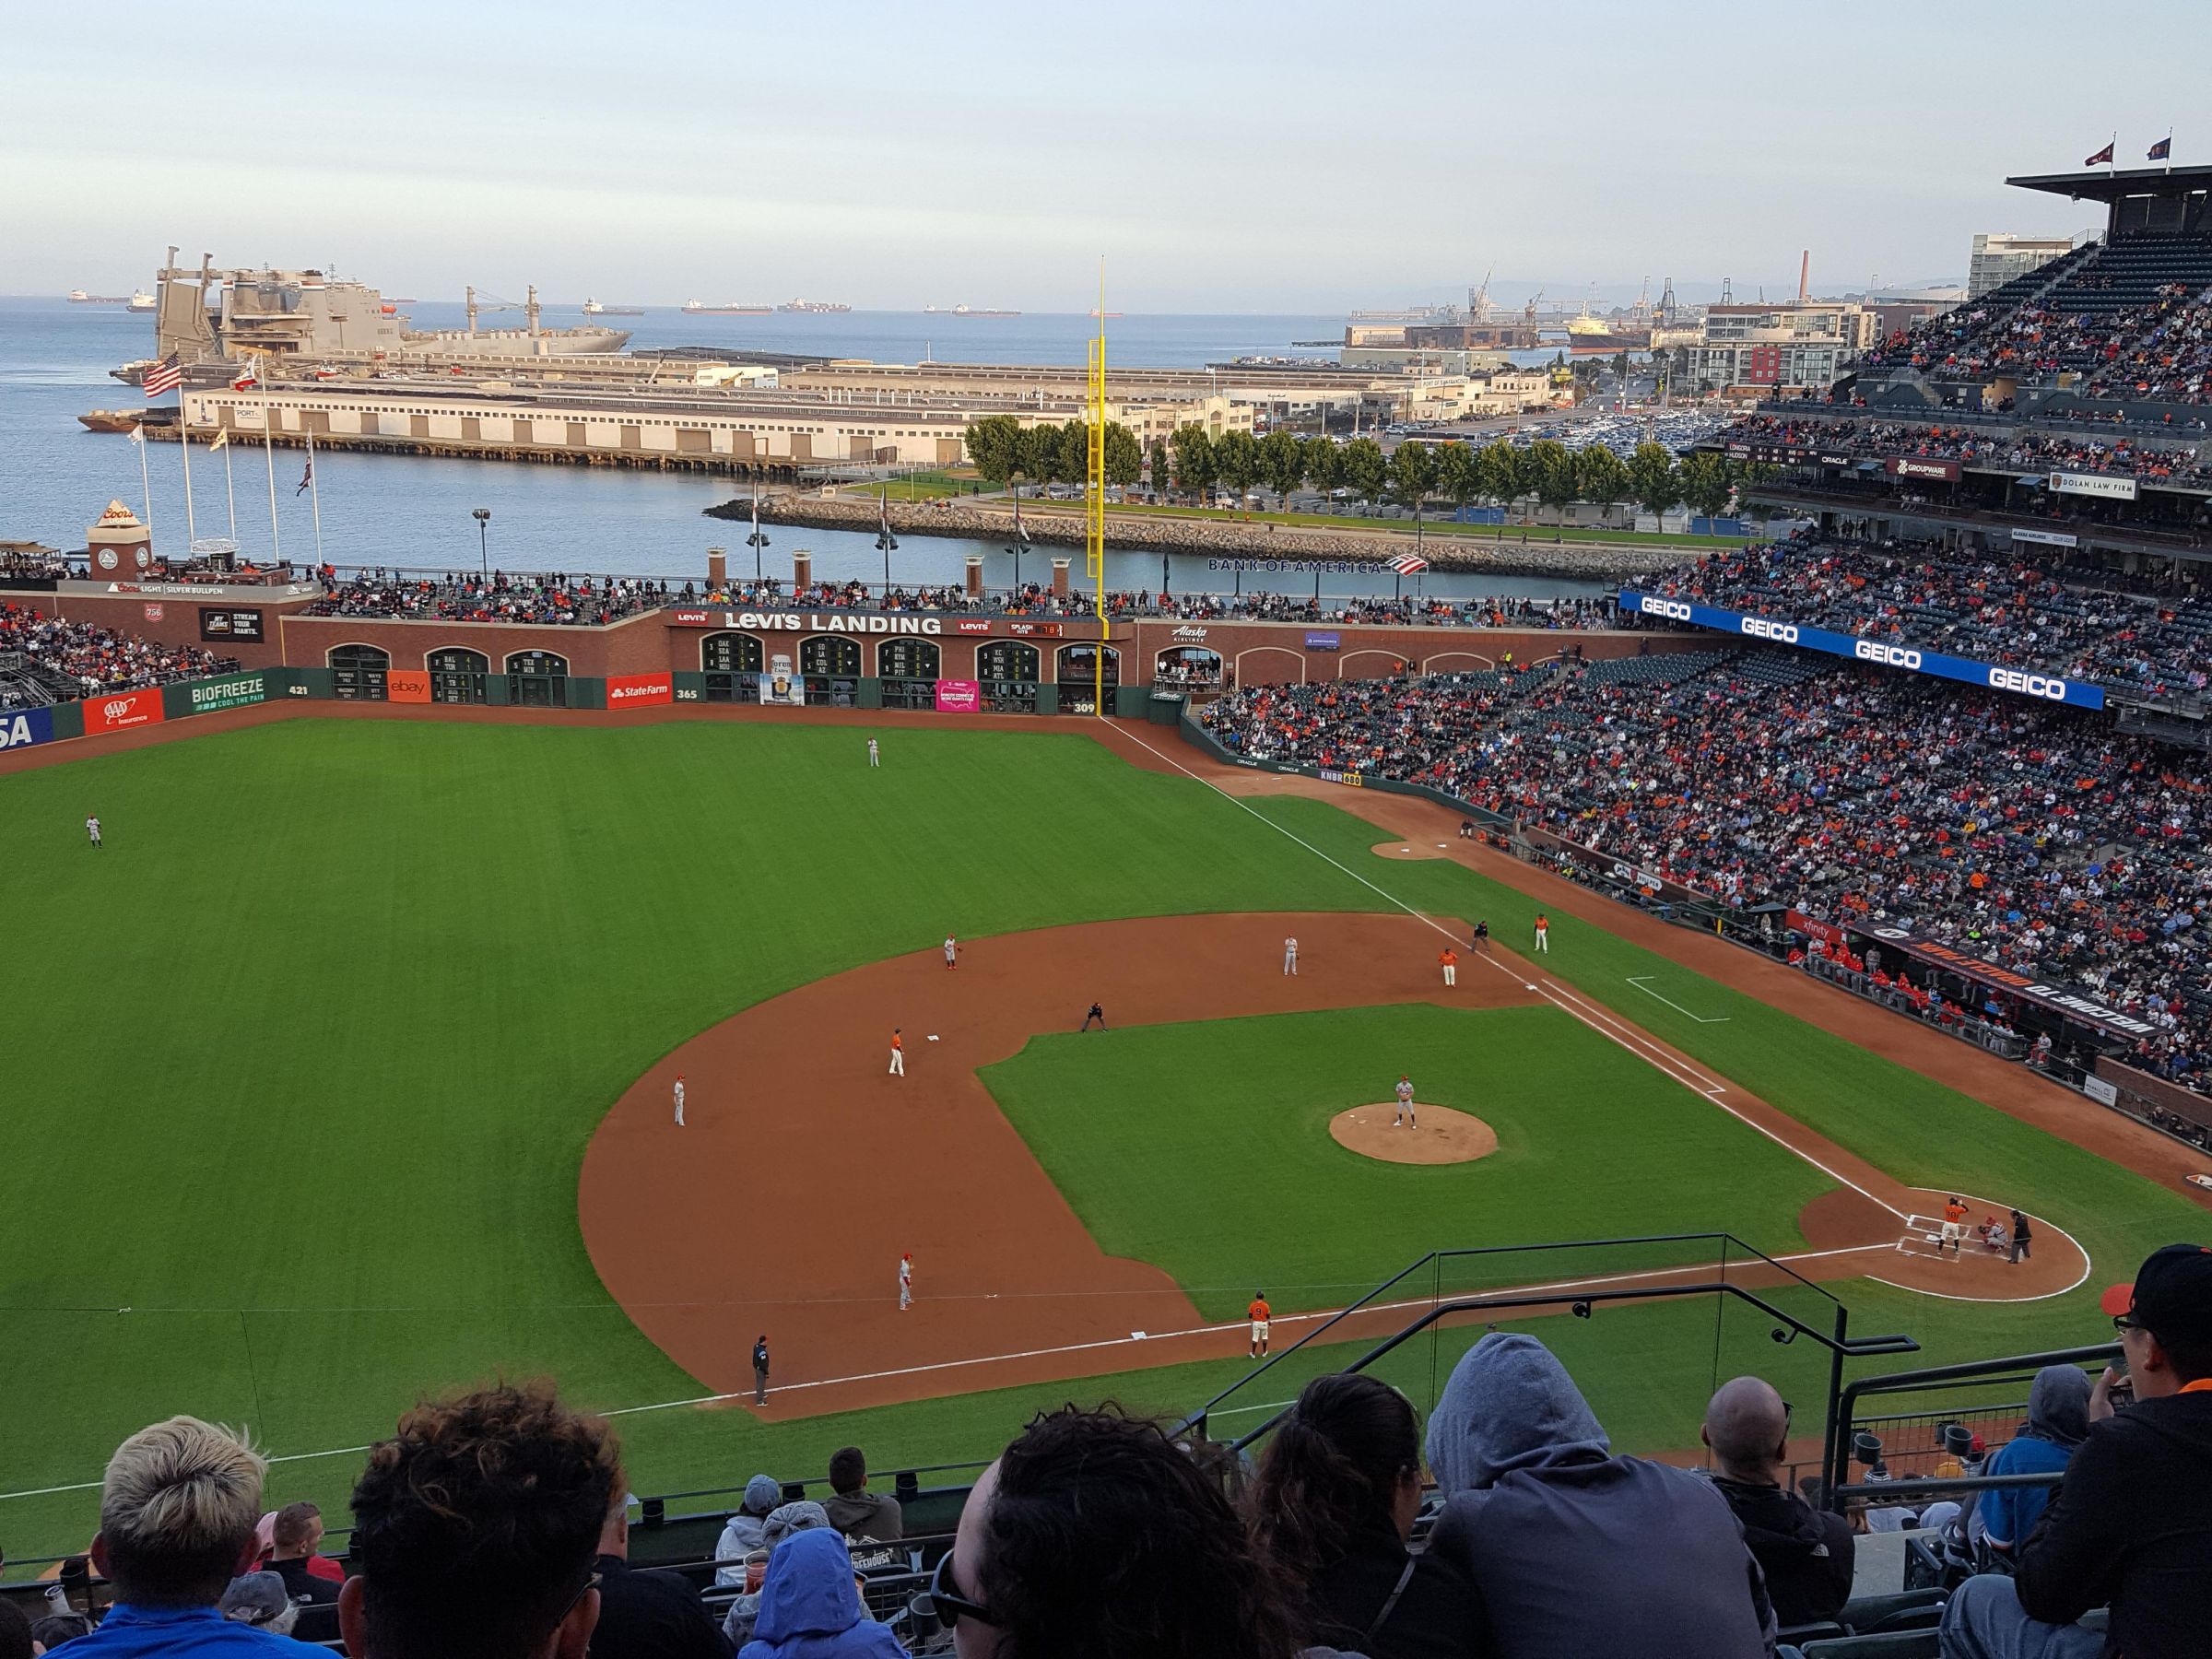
<point>123,710</point>
<point>639,690</point>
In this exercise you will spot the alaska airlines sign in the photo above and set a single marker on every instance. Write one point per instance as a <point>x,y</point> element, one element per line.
<point>2019,682</point>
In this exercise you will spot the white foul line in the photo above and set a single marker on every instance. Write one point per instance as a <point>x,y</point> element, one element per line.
<point>1677,1007</point>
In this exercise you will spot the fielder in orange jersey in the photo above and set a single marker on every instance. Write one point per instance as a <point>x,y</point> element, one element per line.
<point>1954,1224</point>
<point>898,1055</point>
<point>1259,1314</point>
<point>1449,961</point>
<point>1543,933</point>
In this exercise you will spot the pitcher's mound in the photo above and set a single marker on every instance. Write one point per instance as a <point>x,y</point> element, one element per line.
<point>1442,1136</point>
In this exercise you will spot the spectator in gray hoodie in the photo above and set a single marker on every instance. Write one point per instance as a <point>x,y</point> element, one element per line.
<point>741,1534</point>
<point>1573,1549</point>
<point>782,1522</point>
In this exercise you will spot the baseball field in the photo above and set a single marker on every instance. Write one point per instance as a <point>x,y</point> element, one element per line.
<point>341,1075</point>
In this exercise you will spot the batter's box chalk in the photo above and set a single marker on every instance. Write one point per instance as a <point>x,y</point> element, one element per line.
<point>1136,1337</point>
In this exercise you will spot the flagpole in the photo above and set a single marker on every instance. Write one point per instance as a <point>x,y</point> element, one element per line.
<point>268,450</point>
<point>229,491</point>
<point>192,527</point>
<point>314,494</point>
<point>145,486</point>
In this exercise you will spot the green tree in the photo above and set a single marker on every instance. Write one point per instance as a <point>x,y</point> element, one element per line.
<point>1412,474</point>
<point>1237,460</point>
<point>1551,473</point>
<point>1075,453</point>
<point>1600,475</point>
<point>1324,463</point>
<point>1651,478</point>
<point>1195,469</point>
<point>1160,466</point>
<point>1037,458</point>
<point>1124,455</point>
<point>994,446</point>
<point>1282,462</point>
<point>1706,480</point>
<point>1499,474</point>
<point>1364,469</point>
<point>1458,480</point>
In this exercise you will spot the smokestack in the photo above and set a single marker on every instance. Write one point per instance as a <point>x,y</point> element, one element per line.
<point>1805,277</point>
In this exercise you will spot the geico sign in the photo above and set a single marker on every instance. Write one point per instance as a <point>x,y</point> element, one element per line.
<point>1872,651</point>
<point>2031,685</point>
<point>1673,608</point>
<point>1758,628</point>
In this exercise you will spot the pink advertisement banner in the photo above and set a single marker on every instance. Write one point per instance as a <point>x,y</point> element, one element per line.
<point>959,697</point>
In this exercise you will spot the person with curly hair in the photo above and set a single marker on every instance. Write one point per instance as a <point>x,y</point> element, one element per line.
<point>1334,1508</point>
<point>475,1525</point>
<point>1096,1537</point>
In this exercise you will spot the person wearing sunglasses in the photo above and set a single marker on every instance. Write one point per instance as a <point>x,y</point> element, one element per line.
<point>2131,1526</point>
<point>1095,1537</point>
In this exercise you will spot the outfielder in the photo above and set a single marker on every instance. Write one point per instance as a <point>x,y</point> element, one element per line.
<point>874,754</point>
<point>1543,933</point>
<point>1259,1314</point>
<point>679,1100</point>
<point>1405,1112</point>
<point>1290,951</point>
<point>898,1055</point>
<point>92,830</point>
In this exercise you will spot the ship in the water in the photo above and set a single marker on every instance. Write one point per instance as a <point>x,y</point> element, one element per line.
<point>592,308</point>
<point>78,296</point>
<point>693,308</point>
<point>966,311</point>
<point>227,318</point>
<point>815,308</point>
<point>140,300</point>
<point>1589,335</point>
<point>111,420</point>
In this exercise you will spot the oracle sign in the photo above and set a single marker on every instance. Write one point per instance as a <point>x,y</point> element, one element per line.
<point>121,710</point>
<point>639,690</point>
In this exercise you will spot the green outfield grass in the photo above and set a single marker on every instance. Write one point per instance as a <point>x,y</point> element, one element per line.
<point>1591,1143</point>
<point>302,1066</point>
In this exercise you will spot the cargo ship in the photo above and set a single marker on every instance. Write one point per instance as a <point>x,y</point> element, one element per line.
<point>692,308</point>
<point>592,308</point>
<point>140,300</point>
<point>965,311</point>
<point>815,308</point>
<point>78,296</point>
<point>111,420</point>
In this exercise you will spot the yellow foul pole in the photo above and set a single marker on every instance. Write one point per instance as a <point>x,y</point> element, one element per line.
<point>1094,529</point>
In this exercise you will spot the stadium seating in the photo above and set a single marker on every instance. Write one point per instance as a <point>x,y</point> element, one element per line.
<point>45,660</point>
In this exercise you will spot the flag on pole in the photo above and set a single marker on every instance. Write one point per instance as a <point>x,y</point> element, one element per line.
<point>2162,149</point>
<point>307,479</point>
<point>246,377</point>
<point>1406,564</point>
<point>2102,158</point>
<point>137,435</point>
<point>222,440</point>
<point>164,377</point>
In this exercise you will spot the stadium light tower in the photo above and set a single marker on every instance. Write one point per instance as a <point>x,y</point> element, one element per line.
<point>483,517</point>
<point>1094,528</point>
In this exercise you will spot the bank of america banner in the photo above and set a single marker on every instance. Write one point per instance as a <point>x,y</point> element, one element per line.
<point>2020,682</point>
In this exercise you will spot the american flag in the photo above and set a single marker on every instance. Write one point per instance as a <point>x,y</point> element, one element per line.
<point>164,377</point>
<point>1406,564</point>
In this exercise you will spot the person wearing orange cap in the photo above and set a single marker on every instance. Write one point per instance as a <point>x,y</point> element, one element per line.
<point>2131,1527</point>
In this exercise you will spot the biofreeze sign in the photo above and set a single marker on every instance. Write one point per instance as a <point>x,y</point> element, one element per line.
<point>2019,682</point>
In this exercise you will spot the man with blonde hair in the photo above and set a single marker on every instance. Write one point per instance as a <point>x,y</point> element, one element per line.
<point>177,1514</point>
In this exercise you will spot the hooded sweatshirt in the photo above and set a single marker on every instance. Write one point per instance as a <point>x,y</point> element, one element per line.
<point>1575,1550</point>
<point>1807,1555</point>
<point>810,1609</point>
<point>741,1534</point>
<point>2131,1525</point>
<point>866,1515</point>
<point>2058,1417</point>
<point>786,1522</point>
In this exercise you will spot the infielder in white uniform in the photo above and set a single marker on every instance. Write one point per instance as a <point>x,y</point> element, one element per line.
<point>1405,1112</point>
<point>952,950</point>
<point>874,754</point>
<point>906,1282</point>
<point>1290,957</point>
<point>679,1100</point>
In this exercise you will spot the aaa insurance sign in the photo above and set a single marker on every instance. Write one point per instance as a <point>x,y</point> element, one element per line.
<point>123,710</point>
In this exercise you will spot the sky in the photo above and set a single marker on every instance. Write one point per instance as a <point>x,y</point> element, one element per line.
<point>1220,157</point>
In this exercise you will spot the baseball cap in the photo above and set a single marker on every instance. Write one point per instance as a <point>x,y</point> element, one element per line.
<point>254,1598</point>
<point>2171,1295</point>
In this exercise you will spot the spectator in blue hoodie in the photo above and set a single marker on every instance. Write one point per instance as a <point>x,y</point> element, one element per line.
<point>2058,1420</point>
<point>1573,1549</point>
<point>810,1608</point>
